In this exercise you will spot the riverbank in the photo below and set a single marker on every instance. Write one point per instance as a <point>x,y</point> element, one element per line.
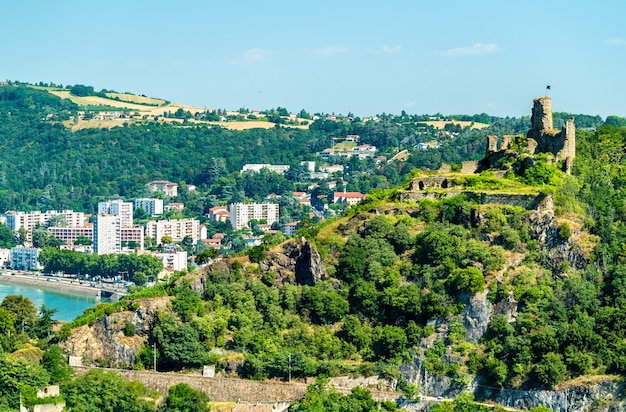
<point>62,285</point>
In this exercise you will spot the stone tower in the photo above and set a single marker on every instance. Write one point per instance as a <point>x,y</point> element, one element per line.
<point>543,138</point>
<point>541,118</point>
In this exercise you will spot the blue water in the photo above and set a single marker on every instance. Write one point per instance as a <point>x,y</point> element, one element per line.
<point>69,305</point>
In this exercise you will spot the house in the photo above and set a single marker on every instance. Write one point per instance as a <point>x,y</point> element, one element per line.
<point>175,206</point>
<point>164,186</point>
<point>173,260</point>
<point>348,198</point>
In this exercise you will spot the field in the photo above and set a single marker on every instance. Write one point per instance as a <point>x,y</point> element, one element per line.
<point>143,106</point>
<point>440,124</point>
<point>131,98</point>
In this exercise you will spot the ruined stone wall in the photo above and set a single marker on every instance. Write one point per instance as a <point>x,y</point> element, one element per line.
<point>541,138</point>
<point>529,202</point>
<point>432,182</point>
<point>469,167</point>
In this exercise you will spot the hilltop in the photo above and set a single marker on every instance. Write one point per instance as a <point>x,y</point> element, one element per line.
<point>138,108</point>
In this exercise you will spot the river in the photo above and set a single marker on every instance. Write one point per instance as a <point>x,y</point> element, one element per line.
<point>69,305</point>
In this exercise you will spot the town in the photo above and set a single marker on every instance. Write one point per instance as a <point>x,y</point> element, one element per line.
<point>153,226</point>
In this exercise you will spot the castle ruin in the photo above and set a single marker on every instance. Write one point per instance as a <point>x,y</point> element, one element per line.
<point>541,138</point>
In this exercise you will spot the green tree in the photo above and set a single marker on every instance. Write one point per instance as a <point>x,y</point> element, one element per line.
<point>183,398</point>
<point>551,369</point>
<point>106,391</point>
<point>55,362</point>
<point>7,238</point>
<point>22,309</point>
<point>83,240</point>
<point>178,344</point>
<point>44,323</point>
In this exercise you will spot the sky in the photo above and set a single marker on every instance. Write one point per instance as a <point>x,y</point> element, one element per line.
<point>361,57</point>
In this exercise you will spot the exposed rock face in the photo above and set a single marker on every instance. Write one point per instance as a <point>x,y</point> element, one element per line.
<point>299,261</point>
<point>545,230</point>
<point>601,396</point>
<point>309,266</point>
<point>476,315</point>
<point>196,281</point>
<point>105,342</point>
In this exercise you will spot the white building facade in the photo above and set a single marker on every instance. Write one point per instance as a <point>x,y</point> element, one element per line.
<point>174,260</point>
<point>118,208</point>
<point>176,229</point>
<point>107,233</point>
<point>28,220</point>
<point>242,213</point>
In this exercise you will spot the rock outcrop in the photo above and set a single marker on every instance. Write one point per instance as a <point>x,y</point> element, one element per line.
<point>108,343</point>
<point>298,261</point>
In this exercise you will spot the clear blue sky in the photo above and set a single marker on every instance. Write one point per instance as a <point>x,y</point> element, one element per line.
<point>365,57</point>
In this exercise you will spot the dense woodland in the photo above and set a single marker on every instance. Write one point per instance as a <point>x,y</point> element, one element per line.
<point>396,270</point>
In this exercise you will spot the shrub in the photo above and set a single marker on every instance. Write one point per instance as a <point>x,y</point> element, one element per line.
<point>564,232</point>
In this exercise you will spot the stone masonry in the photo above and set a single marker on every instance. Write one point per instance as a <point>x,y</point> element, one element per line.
<point>541,138</point>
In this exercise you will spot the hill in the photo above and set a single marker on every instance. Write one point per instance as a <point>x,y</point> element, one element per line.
<point>446,294</point>
<point>53,158</point>
<point>494,285</point>
<point>144,107</point>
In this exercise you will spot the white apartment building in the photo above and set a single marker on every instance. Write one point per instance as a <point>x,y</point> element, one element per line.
<point>25,258</point>
<point>107,234</point>
<point>118,208</point>
<point>28,220</point>
<point>256,167</point>
<point>176,229</point>
<point>242,213</point>
<point>173,260</point>
<point>153,207</point>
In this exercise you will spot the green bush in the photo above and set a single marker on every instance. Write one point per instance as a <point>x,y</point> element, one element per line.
<point>564,232</point>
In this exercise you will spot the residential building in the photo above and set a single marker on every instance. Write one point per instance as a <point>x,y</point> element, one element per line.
<point>28,220</point>
<point>332,169</point>
<point>173,260</point>
<point>256,167</point>
<point>348,198</point>
<point>219,214</point>
<point>310,165</point>
<point>107,234</point>
<point>290,228</point>
<point>153,207</point>
<point>132,237</point>
<point>175,206</point>
<point>5,258</point>
<point>25,258</point>
<point>242,213</point>
<point>70,234</point>
<point>176,229</point>
<point>164,186</point>
<point>118,208</point>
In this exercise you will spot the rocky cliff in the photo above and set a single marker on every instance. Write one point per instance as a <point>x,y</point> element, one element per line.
<point>109,340</point>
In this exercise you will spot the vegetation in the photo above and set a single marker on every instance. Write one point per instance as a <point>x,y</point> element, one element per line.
<point>398,273</point>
